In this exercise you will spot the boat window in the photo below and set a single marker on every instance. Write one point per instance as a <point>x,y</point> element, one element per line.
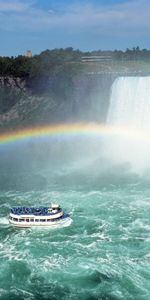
<point>48,220</point>
<point>21,220</point>
<point>31,220</point>
<point>27,220</point>
<point>42,220</point>
<point>37,220</point>
<point>15,219</point>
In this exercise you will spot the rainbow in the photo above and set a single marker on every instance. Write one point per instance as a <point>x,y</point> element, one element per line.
<point>72,130</point>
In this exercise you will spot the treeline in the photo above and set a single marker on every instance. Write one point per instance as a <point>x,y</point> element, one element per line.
<point>132,54</point>
<point>129,54</point>
<point>47,62</point>
<point>51,62</point>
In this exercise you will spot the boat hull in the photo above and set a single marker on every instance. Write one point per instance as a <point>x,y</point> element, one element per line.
<point>41,224</point>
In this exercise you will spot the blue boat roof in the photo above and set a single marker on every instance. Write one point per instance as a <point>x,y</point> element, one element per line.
<point>23,210</point>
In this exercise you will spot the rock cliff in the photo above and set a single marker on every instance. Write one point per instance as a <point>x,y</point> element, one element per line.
<point>85,99</point>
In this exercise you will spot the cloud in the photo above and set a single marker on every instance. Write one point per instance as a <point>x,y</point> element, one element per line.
<point>13,6</point>
<point>128,18</point>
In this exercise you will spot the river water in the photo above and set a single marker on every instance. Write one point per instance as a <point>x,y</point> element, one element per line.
<point>103,254</point>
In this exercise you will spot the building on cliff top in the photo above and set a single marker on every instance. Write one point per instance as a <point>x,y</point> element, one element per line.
<point>28,53</point>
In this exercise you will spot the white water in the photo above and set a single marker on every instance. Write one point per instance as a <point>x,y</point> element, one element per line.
<point>130,102</point>
<point>130,108</point>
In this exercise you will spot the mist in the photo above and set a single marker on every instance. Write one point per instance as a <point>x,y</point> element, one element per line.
<point>96,161</point>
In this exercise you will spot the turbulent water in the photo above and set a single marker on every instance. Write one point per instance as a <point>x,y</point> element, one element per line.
<point>105,252</point>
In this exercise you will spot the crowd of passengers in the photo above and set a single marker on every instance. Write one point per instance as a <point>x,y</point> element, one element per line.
<point>32,210</point>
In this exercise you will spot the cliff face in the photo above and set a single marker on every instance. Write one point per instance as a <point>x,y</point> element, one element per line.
<point>84,98</point>
<point>13,82</point>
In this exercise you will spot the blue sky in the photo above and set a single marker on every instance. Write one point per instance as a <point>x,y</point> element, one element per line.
<point>83,24</point>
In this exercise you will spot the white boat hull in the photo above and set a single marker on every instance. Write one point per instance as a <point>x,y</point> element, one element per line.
<point>40,224</point>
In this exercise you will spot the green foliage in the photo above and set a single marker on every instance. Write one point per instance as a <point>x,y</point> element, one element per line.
<point>52,62</point>
<point>44,64</point>
<point>17,67</point>
<point>132,54</point>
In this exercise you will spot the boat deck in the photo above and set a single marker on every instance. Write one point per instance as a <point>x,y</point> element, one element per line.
<point>37,211</point>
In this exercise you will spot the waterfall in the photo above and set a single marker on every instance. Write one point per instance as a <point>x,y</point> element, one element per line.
<point>130,102</point>
<point>130,108</point>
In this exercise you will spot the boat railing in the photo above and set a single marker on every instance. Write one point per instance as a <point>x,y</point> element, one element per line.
<point>27,219</point>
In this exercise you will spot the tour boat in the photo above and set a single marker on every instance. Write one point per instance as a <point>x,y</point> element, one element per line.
<point>22,216</point>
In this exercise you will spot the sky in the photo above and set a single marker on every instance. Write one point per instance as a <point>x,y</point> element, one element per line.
<point>87,25</point>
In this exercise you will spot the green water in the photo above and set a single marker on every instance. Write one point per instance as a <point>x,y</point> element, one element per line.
<point>104,253</point>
